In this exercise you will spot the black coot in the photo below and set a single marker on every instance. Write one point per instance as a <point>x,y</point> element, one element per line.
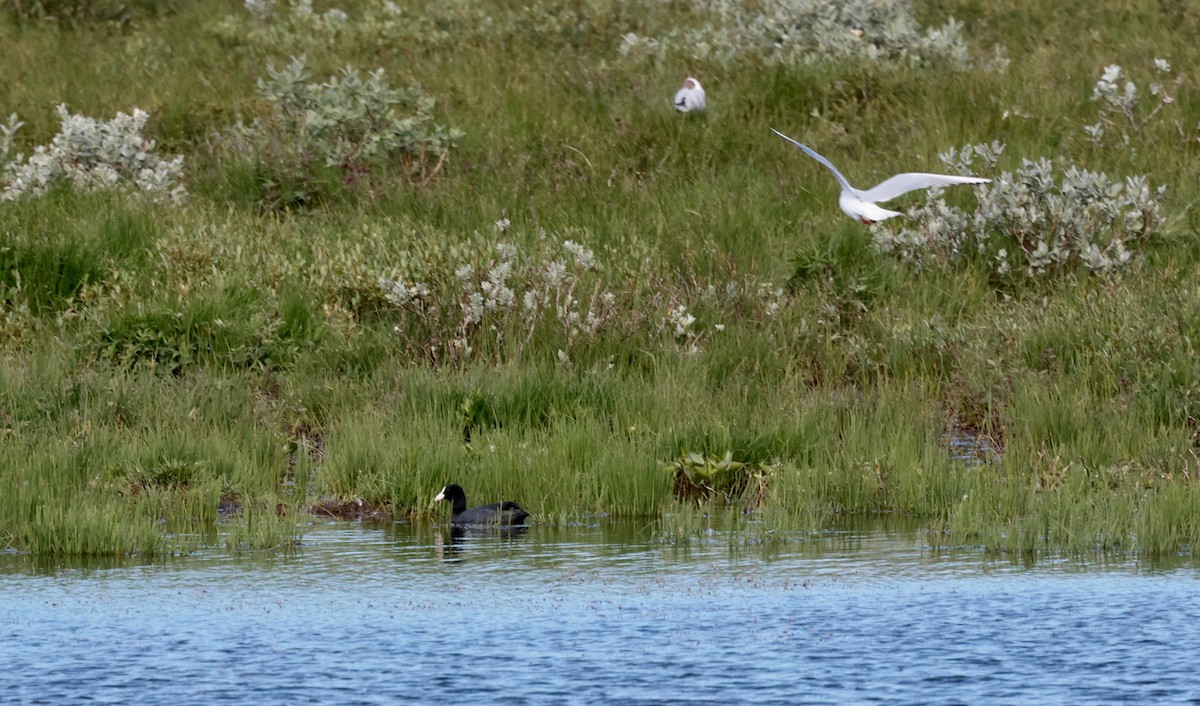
<point>505,513</point>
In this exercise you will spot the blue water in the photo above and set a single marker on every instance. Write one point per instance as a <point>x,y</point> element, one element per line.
<point>598,615</point>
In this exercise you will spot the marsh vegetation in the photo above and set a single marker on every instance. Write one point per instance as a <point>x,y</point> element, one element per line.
<point>278,256</point>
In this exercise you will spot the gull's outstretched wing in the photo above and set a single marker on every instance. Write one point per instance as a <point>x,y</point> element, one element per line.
<point>904,183</point>
<point>841,179</point>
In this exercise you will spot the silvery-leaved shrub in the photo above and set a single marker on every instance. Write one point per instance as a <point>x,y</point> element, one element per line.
<point>286,26</point>
<point>808,31</point>
<point>293,26</point>
<point>354,127</point>
<point>89,154</point>
<point>1032,222</point>
<point>1123,110</point>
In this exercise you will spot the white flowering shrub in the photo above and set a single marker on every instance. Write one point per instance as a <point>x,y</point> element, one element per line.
<point>1123,110</point>
<point>679,319</point>
<point>808,31</point>
<point>550,289</point>
<point>1031,222</point>
<point>487,298</point>
<point>404,295</point>
<point>7,132</point>
<point>89,154</point>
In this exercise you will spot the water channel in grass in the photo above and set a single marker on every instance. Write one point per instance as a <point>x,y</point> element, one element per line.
<point>599,613</point>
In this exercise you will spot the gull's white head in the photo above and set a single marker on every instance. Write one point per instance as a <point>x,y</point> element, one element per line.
<point>690,97</point>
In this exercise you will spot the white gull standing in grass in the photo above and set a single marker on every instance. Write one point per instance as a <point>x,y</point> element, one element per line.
<point>860,205</point>
<point>690,97</point>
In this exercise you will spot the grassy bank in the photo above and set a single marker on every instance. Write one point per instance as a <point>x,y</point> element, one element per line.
<point>547,286</point>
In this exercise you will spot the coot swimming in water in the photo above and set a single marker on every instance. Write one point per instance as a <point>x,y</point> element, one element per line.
<point>505,513</point>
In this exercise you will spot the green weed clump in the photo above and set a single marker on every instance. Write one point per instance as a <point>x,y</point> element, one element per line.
<point>585,302</point>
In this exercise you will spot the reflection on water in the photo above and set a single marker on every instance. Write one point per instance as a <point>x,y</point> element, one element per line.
<point>449,541</point>
<point>598,613</point>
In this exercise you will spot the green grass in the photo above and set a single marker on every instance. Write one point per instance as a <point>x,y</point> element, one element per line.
<point>156,360</point>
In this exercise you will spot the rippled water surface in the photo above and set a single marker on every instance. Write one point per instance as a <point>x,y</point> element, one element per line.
<point>598,614</point>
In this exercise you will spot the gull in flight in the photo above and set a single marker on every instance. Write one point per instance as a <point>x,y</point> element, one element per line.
<point>690,97</point>
<point>860,205</point>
